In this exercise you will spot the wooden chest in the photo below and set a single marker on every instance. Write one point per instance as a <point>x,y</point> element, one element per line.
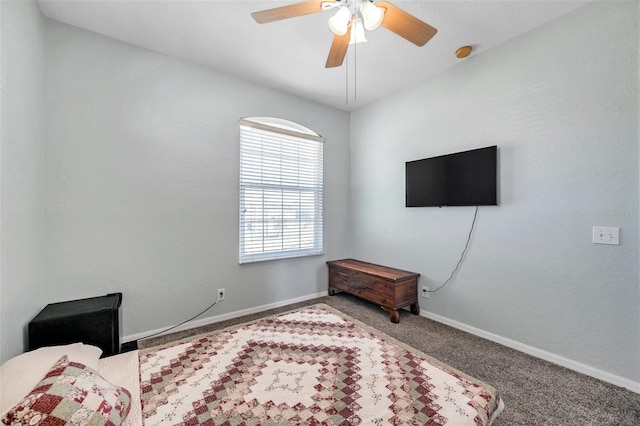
<point>389,287</point>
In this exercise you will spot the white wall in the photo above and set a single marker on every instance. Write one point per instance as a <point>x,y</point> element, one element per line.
<point>141,178</point>
<point>561,103</point>
<point>21,150</point>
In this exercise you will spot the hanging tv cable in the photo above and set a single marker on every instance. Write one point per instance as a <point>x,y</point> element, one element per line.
<point>466,246</point>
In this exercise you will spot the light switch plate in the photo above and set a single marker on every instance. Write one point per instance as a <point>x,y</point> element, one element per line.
<point>606,235</point>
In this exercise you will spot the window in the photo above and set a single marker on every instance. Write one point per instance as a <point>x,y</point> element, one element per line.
<point>281,190</point>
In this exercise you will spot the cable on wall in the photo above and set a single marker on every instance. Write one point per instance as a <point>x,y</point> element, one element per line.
<point>183,322</point>
<point>466,246</point>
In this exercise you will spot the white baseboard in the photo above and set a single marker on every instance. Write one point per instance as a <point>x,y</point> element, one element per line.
<point>539,353</point>
<point>530,350</point>
<point>222,317</point>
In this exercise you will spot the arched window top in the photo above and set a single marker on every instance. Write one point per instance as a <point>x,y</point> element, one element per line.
<point>281,125</point>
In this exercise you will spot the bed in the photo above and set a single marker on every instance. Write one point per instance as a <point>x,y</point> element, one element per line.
<point>314,365</point>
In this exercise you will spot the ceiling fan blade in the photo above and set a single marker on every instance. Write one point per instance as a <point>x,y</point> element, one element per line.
<point>290,11</point>
<point>406,25</point>
<point>338,50</point>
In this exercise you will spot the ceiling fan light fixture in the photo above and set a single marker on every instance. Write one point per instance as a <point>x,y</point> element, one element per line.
<point>372,15</point>
<point>357,33</point>
<point>339,23</point>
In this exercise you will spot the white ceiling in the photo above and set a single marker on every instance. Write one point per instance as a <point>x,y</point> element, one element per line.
<point>289,55</point>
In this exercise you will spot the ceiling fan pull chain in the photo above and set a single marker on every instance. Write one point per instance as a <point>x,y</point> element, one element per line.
<point>355,71</point>
<point>346,79</point>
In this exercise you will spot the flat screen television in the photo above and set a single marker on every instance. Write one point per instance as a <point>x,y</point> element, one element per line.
<point>461,179</point>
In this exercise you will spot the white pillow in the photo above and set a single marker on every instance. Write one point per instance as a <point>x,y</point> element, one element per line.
<point>20,374</point>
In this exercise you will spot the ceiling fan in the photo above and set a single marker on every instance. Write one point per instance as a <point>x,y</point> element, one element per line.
<point>350,21</point>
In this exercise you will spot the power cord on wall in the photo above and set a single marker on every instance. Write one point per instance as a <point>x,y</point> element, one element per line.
<point>466,246</point>
<point>183,322</point>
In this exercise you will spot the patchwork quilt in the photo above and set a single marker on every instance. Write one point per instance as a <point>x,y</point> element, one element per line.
<point>312,366</point>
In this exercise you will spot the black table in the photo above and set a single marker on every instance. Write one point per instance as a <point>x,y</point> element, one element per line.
<point>94,321</point>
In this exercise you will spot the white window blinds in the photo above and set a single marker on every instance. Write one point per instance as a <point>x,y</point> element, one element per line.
<point>281,191</point>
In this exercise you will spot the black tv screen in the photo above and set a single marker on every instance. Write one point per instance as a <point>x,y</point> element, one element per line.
<point>462,179</point>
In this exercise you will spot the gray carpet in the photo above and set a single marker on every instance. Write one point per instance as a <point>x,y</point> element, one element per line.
<point>535,392</point>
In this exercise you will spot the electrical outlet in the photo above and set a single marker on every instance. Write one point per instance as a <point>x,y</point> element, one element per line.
<point>220,294</point>
<point>425,291</point>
